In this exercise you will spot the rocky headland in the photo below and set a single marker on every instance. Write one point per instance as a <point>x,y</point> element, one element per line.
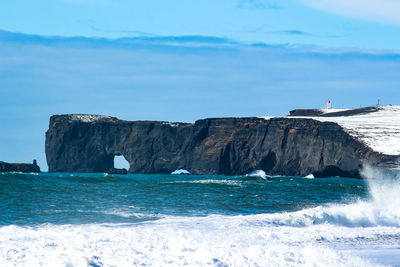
<point>279,146</point>
<point>19,167</point>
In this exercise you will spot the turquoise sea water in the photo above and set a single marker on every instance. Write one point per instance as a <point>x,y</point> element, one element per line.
<point>66,219</point>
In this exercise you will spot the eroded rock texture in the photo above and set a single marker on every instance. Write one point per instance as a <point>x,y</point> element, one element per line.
<point>284,146</point>
<point>19,167</point>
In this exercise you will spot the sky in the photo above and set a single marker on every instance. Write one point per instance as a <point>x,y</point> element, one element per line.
<point>187,60</point>
<point>328,23</point>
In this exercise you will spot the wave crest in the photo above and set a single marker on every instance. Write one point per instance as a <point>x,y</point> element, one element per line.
<point>381,209</point>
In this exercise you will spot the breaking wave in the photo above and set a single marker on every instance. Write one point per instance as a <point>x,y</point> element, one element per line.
<point>180,171</point>
<point>381,209</point>
<point>257,173</point>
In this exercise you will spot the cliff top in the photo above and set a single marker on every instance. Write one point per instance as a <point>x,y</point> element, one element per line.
<point>334,112</point>
<point>377,126</point>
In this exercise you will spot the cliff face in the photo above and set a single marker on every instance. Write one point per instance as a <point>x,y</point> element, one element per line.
<point>86,143</point>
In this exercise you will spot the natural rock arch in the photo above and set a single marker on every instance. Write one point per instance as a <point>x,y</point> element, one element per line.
<point>120,162</point>
<point>233,146</point>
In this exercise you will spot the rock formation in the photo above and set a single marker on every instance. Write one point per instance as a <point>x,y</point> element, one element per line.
<point>230,146</point>
<point>19,167</point>
<point>117,171</point>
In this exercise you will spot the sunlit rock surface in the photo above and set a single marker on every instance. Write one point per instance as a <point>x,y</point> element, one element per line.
<point>319,145</point>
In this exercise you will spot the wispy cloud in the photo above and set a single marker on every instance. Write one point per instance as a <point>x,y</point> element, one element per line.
<point>129,42</point>
<point>386,11</point>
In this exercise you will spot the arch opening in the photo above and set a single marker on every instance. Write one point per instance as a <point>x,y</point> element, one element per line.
<point>268,163</point>
<point>120,162</point>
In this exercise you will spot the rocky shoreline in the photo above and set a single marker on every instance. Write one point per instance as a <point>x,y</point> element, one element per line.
<point>19,167</point>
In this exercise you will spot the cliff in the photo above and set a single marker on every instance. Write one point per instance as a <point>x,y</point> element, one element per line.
<point>284,146</point>
<point>19,167</point>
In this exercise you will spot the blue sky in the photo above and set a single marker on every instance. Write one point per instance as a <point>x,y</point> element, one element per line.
<point>187,60</point>
<point>328,23</point>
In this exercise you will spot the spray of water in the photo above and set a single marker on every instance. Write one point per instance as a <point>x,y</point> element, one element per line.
<point>382,208</point>
<point>257,173</point>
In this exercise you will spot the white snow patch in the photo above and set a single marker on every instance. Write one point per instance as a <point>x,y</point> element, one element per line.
<point>172,124</point>
<point>88,118</point>
<point>331,110</point>
<point>379,130</point>
<point>266,118</point>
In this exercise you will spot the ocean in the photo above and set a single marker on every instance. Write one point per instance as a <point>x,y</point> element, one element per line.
<point>69,219</point>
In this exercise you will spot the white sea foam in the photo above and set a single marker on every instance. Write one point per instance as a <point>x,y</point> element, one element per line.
<point>331,235</point>
<point>208,181</point>
<point>257,173</point>
<point>20,173</point>
<point>321,236</point>
<point>180,171</point>
<point>176,241</point>
<point>131,212</point>
<point>381,209</point>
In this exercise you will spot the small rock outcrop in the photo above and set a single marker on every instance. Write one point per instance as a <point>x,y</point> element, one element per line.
<point>19,167</point>
<point>230,146</point>
<point>117,171</point>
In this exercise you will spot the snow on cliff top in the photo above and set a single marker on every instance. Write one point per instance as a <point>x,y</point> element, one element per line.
<point>331,110</point>
<point>88,117</point>
<point>380,129</point>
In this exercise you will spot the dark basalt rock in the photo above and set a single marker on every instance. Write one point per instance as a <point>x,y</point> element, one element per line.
<point>117,171</point>
<point>230,146</point>
<point>19,167</point>
<point>319,113</point>
<point>331,171</point>
<point>305,112</point>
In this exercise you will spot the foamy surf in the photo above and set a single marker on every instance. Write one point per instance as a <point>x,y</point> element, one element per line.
<point>128,232</point>
<point>175,241</point>
<point>320,236</point>
<point>208,181</point>
<point>258,174</point>
<point>180,171</point>
<point>381,209</point>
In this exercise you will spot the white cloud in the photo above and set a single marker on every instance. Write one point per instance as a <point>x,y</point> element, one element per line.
<point>386,11</point>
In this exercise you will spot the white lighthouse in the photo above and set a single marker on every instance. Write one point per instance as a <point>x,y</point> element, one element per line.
<point>329,105</point>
